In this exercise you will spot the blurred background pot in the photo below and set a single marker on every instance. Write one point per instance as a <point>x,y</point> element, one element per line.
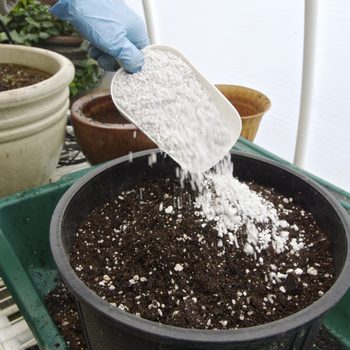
<point>68,46</point>
<point>102,132</point>
<point>250,104</point>
<point>30,23</point>
<point>33,119</point>
<point>88,74</point>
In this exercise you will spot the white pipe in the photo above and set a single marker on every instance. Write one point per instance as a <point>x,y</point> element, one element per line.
<point>310,29</point>
<point>150,22</point>
<point>8,311</point>
<point>29,344</point>
<point>14,336</point>
<point>13,331</point>
<point>12,344</point>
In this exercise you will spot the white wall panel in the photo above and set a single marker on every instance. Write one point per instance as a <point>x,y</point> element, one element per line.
<point>328,151</point>
<point>253,43</point>
<point>259,44</point>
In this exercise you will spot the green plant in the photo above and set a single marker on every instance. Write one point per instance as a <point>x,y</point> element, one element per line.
<point>87,75</point>
<point>30,22</point>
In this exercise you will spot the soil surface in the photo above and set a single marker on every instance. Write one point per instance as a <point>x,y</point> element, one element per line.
<point>109,115</point>
<point>166,266</point>
<point>62,308</point>
<point>13,76</point>
<point>326,341</point>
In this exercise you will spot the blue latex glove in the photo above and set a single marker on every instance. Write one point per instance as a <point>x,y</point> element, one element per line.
<point>116,32</point>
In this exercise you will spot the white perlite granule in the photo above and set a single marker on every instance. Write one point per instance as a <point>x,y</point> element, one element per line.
<point>232,204</point>
<point>174,109</point>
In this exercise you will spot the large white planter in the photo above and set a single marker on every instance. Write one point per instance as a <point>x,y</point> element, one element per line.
<point>33,119</point>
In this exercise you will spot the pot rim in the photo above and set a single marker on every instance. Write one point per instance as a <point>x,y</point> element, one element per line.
<point>263,96</point>
<point>43,89</point>
<point>78,115</point>
<point>143,327</point>
<point>65,40</point>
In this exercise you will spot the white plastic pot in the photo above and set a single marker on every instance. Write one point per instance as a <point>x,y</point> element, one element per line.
<point>33,119</point>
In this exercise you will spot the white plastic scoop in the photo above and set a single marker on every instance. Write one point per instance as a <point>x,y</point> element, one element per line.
<point>178,108</point>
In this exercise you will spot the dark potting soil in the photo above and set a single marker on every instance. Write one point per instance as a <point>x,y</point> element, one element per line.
<point>326,341</point>
<point>13,76</point>
<point>166,266</point>
<point>109,115</point>
<point>62,308</point>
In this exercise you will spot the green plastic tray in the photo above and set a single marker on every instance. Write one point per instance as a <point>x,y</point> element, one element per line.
<point>28,270</point>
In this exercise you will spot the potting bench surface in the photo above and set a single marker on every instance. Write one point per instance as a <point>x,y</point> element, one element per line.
<point>27,267</point>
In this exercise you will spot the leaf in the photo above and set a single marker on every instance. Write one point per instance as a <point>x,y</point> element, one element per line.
<point>5,19</point>
<point>47,24</point>
<point>16,37</point>
<point>33,37</point>
<point>3,37</point>
<point>79,73</point>
<point>30,28</point>
<point>43,35</point>
<point>90,62</point>
<point>53,31</point>
<point>31,21</point>
<point>73,88</point>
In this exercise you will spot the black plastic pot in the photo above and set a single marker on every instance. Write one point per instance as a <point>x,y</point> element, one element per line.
<point>107,327</point>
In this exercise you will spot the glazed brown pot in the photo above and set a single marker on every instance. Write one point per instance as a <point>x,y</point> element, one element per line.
<point>250,104</point>
<point>102,132</point>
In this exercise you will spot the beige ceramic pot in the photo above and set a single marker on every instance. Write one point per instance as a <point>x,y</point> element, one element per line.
<point>102,132</point>
<point>33,119</point>
<point>250,104</point>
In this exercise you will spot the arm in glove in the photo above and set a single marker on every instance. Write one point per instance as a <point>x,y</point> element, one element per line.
<point>115,31</point>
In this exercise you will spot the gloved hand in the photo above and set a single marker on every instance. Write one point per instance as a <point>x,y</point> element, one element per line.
<point>115,31</point>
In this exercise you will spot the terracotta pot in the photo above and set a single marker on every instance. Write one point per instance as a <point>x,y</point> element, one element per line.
<point>102,132</point>
<point>250,104</point>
